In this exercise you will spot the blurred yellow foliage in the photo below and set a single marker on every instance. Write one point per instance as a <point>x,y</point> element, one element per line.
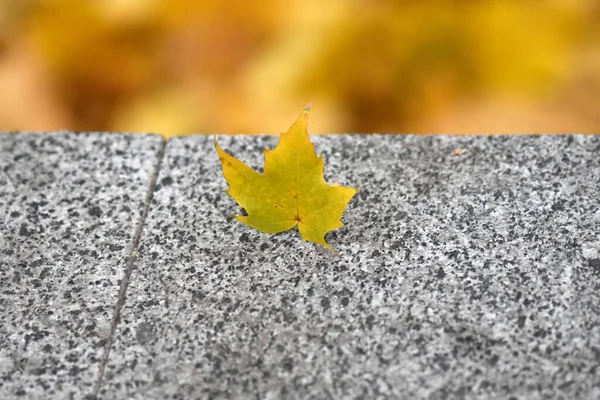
<point>185,66</point>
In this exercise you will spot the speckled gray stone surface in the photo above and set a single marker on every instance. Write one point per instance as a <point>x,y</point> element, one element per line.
<point>68,208</point>
<point>459,276</point>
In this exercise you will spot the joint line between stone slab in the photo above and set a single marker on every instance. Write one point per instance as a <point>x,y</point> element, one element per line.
<point>129,268</point>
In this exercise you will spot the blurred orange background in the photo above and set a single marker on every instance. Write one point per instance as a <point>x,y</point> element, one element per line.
<point>183,66</point>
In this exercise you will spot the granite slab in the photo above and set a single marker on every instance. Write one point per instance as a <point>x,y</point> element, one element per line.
<point>69,203</point>
<point>469,267</point>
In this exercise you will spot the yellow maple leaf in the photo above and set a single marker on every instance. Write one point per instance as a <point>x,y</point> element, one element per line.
<point>291,191</point>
